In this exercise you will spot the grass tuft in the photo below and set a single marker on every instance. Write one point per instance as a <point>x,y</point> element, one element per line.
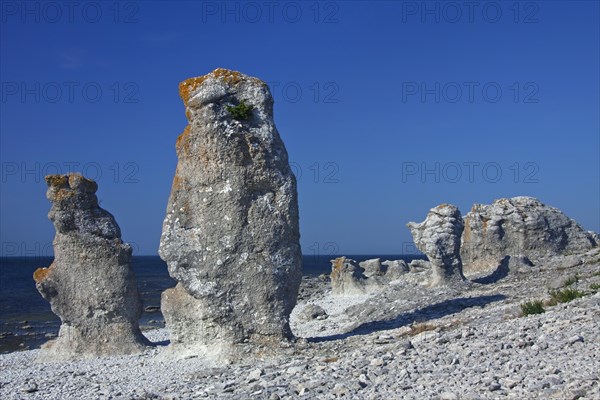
<point>564,296</point>
<point>572,280</point>
<point>532,307</point>
<point>240,112</point>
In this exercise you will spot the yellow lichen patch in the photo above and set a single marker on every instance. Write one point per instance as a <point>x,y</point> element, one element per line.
<point>178,183</point>
<point>484,223</point>
<point>57,180</point>
<point>338,264</point>
<point>182,136</point>
<point>40,274</point>
<point>75,179</point>
<point>228,76</point>
<point>186,87</point>
<point>182,142</point>
<point>467,232</point>
<point>63,194</point>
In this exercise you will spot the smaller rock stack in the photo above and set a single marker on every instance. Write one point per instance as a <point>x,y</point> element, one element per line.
<point>90,284</point>
<point>439,238</point>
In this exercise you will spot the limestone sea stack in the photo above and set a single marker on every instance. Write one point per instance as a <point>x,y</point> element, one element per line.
<point>230,236</point>
<point>90,284</point>
<point>519,226</point>
<point>438,237</point>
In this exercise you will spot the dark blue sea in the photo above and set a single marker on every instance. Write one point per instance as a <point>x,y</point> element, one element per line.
<point>26,320</point>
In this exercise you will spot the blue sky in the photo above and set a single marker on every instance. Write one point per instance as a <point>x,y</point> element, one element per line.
<point>386,108</point>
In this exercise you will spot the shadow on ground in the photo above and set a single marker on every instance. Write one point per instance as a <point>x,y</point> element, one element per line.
<point>424,314</point>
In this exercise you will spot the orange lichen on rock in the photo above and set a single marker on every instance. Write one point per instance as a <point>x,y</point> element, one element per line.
<point>467,231</point>
<point>182,142</point>
<point>178,183</point>
<point>338,264</point>
<point>62,187</point>
<point>57,180</point>
<point>63,194</point>
<point>186,87</point>
<point>41,273</point>
<point>76,180</point>
<point>230,77</point>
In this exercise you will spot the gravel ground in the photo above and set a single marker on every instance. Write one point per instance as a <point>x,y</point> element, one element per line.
<point>406,342</point>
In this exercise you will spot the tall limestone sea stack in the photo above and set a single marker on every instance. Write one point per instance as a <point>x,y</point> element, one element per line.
<point>230,236</point>
<point>90,284</point>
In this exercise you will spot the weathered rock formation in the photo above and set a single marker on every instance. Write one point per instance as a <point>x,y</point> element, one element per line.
<point>383,272</point>
<point>418,265</point>
<point>394,269</point>
<point>438,237</point>
<point>372,267</point>
<point>90,284</point>
<point>351,278</point>
<point>313,311</point>
<point>347,277</point>
<point>520,226</point>
<point>230,236</point>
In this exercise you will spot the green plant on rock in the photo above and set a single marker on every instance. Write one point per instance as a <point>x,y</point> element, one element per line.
<point>595,287</point>
<point>564,296</point>
<point>532,307</point>
<point>241,112</point>
<point>572,280</point>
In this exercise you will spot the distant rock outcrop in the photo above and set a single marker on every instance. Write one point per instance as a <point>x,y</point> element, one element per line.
<point>347,277</point>
<point>439,238</point>
<point>350,278</point>
<point>231,233</point>
<point>90,284</point>
<point>519,226</point>
<point>394,269</point>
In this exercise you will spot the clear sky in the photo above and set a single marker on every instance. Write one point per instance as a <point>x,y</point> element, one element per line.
<point>386,108</point>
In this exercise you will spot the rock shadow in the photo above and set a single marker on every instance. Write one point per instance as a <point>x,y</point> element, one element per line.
<point>500,273</point>
<point>424,314</point>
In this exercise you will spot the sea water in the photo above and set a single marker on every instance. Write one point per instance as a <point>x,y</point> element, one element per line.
<point>26,320</point>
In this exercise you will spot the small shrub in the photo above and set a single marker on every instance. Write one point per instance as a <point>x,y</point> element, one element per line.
<point>572,280</point>
<point>595,287</point>
<point>532,307</point>
<point>420,328</point>
<point>564,296</point>
<point>241,112</point>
